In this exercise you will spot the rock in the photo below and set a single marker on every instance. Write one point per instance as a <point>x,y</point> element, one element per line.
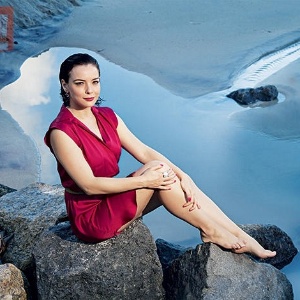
<point>5,189</point>
<point>127,267</point>
<point>11,283</point>
<point>26,213</point>
<point>34,13</point>
<point>252,95</point>
<point>124,267</point>
<point>210,273</point>
<point>168,252</point>
<point>273,238</point>
<point>4,240</point>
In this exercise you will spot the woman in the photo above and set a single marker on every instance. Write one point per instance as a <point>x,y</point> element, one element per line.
<point>87,140</point>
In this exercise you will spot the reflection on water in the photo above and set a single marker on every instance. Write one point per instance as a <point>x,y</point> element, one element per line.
<point>252,174</point>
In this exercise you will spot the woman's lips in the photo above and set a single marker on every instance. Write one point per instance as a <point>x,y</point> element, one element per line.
<point>89,99</point>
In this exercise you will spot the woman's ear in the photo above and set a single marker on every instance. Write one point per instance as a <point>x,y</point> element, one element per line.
<point>64,85</point>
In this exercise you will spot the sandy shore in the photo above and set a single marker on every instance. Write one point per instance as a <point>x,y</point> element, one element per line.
<point>189,48</point>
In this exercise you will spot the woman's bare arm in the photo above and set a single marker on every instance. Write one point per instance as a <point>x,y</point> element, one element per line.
<point>73,161</point>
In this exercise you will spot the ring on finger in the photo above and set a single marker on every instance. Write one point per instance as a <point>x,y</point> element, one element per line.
<point>165,174</point>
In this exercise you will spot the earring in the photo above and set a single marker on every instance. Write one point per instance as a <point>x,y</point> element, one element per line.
<point>67,94</point>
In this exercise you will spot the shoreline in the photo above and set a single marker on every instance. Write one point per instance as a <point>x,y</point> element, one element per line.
<point>188,71</point>
<point>186,51</point>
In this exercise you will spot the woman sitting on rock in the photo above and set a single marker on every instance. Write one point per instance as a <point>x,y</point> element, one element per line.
<point>87,141</point>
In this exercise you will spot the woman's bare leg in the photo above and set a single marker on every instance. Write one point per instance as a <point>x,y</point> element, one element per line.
<point>213,224</point>
<point>173,200</point>
<point>214,212</point>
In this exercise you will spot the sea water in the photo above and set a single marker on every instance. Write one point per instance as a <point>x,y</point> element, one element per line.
<point>251,172</point>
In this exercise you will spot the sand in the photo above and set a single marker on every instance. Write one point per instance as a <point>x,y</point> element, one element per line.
<point>191,48</point>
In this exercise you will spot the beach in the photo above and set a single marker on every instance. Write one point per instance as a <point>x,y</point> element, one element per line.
<point>191,49</point>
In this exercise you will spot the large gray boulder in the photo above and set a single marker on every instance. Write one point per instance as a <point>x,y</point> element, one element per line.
<point>124,267</point>
<point>210,273</point>
<point>26,213</point>
<point>272,237</point>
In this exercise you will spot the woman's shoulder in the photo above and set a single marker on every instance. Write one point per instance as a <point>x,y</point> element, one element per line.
<point>64,116</point>
<point>64,121</point>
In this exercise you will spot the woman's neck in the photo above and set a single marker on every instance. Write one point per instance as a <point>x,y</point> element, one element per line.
<point>81,114</point>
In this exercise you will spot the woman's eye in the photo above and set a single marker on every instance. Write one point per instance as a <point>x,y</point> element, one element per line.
<point>78,83</point>
<point>96,82</point>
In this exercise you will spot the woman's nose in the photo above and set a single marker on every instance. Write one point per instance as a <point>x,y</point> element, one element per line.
<point>88,89</point>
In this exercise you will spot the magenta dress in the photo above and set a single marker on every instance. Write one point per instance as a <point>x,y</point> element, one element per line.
<point>98,217</point>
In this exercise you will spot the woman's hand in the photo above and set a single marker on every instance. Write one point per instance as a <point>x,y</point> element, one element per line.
<point>158,178</point>
<point>190,190</point>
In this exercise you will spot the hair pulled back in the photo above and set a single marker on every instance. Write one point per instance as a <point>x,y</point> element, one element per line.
<point>67,66</point>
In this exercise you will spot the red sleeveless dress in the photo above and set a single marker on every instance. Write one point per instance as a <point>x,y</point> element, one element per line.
<point>98,217</point>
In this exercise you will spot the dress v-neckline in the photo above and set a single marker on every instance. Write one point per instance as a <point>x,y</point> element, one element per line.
<point>101,134</point>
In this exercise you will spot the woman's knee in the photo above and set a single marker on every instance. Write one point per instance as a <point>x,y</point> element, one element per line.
<point>154,163</point>
<point>150,164</point>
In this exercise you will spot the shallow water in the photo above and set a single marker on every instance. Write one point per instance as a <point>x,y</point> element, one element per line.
<point>242,158</point>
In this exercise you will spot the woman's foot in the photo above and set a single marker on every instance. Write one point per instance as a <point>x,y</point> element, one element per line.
<point>227,240</point>
<point>253,247</point>
<point>222,238</point>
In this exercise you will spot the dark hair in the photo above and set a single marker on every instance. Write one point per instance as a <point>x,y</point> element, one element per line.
<point>67,66</point>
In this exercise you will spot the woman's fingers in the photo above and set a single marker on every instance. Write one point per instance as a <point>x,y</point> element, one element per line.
<point>192,203</point>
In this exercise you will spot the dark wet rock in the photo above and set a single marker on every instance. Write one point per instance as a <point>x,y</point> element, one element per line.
<point>210,273</point>
<point>168,252</point>
<point>5,189</point>
<point>125,267</point>
<point>273,238</point>
<point>252,95</point>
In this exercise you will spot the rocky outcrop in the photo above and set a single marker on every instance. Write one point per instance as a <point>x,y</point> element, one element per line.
<point>26,213</point>
<point>5,189</point>
<point>252,95</point>
<point>34,13</point>
<point>128,265</point>
<point>11,283</point>
<point>125,267</point>
<point>210,273</point>
<point>66,268</point>
<point>272,237</point>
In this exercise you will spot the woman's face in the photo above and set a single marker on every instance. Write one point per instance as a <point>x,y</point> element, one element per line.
<point>83,86</point>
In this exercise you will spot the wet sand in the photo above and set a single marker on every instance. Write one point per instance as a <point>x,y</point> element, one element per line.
<point>189,48</point>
